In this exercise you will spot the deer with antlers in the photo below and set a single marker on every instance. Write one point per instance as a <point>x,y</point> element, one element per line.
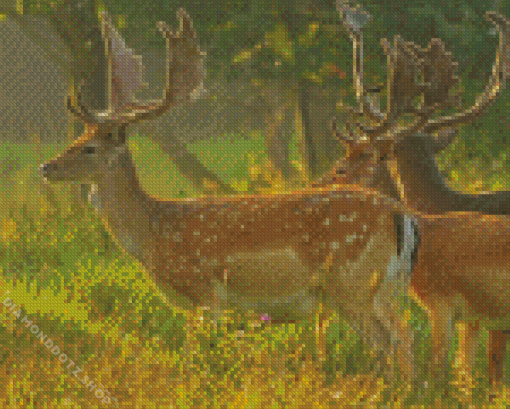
<point>398,159</point>
<point>278,255</point>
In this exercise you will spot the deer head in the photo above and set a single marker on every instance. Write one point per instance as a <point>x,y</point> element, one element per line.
<point>96,152</point>
<point>374,138</point>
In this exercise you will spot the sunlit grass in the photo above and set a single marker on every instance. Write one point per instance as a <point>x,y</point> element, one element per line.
<point>63,272</point>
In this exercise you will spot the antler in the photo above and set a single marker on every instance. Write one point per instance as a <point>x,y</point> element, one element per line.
<point>185,70</point>
<point>402,85</point>
<point>184,74</point>
<point>439,72</point>
<point>80,111</point>
<point>407,62</point>
<point>496,83</point>
<point>354,19</point>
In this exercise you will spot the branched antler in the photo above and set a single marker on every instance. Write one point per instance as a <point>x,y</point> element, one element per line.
<point>403,80</point>
<point>439,71</point>
<point>429,73</point>
<point>402,86</point>
<point>497,81</point>
<point>185,73</point>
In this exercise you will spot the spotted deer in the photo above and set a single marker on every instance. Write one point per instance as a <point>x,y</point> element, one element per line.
<point>276,254</point>
<point>398,159</point>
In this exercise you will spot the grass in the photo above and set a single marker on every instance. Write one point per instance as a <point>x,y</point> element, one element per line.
<point>65,275</point>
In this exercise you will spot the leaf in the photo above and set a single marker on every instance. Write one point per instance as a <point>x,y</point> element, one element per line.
<point>224,27</point>
<point>243,56</point>
<point>332,69</point>
<point>120,21</point>
<point>241,185</point>
<point>311,76</point>
<point>279,41</point>
<point>308,37</point>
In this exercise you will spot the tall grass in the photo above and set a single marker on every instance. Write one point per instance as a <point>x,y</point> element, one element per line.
<point>61,268</point>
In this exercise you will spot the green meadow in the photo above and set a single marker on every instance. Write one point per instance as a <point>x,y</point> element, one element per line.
<point>65,274</point>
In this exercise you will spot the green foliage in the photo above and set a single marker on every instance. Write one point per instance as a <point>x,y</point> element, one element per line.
<point>42,6</point>
<point>461,24</point>
<point>305,40</point>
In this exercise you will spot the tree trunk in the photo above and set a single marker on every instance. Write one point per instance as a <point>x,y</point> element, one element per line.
<point>279,139</point>
<point>189,165</point>
<point>310,151</point>
<point>316,109</point>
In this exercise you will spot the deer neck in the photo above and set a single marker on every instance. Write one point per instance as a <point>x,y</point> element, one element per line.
<point>123,205</point>
<point>385,183</point>
<point>419,180</point>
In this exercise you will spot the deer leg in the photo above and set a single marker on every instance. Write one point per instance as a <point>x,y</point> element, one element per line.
<point>401,335</point>
<point>468,341</point>
<point>216,292</point>
<point>351,298</point>
<point>323,315</point>
<point>386,307</point>
<point>371,330</point>
<point>320,331</point>
<point>441,317</point>
<point>496,351</point>
<point>220,297</point>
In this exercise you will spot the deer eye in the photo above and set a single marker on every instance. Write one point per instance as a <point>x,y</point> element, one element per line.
<point>89,150</point>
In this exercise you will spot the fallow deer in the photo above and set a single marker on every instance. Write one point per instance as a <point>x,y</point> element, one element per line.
<point>278,255</point>
<point>398,159</point>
